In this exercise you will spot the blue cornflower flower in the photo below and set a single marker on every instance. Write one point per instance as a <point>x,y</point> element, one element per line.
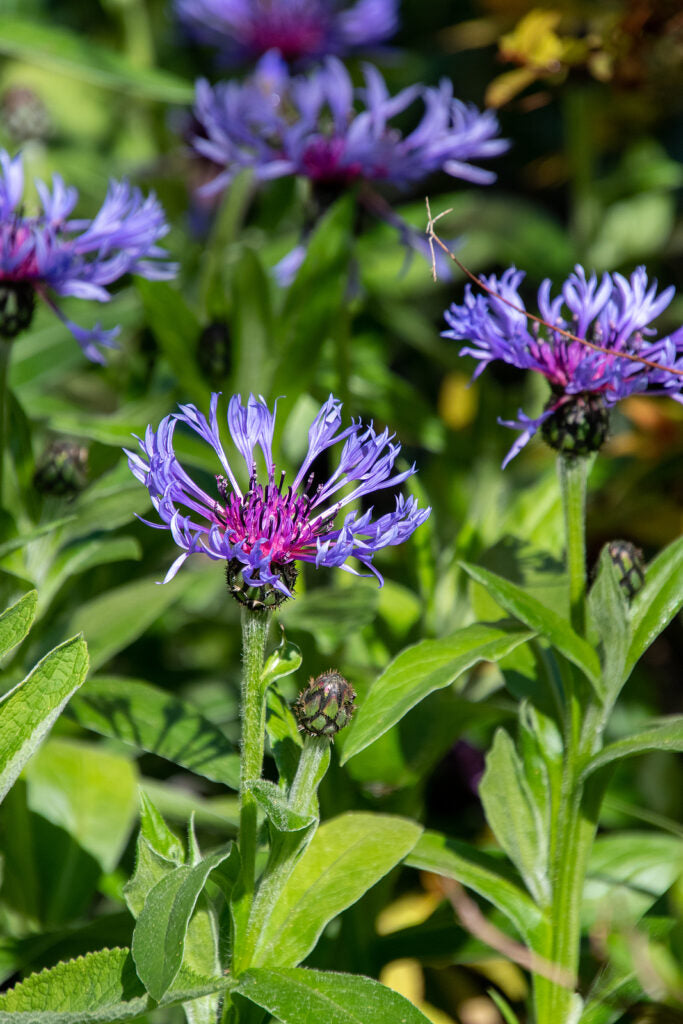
<point>262,530</point>
<point>319,127</point>
<point>52,254</point>
<point>300,29</point>
<point>614,313</point>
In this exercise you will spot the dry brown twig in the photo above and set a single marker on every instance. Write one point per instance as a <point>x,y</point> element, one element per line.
<point>433,239</point>
<point>475,923</point>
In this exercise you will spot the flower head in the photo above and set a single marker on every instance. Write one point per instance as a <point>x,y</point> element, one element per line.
<point>299,29</point>
<point>319,127</point>
<point>261,530</point>
<point>51,254</point>
<point>614,313</point>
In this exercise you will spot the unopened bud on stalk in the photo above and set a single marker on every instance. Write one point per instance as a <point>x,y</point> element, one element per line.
<point>62,469</point>
<point>578,426</point>
<point>628,560</point>
<point>326,705</point>
<point>17,305</point>
<point>214,353</point>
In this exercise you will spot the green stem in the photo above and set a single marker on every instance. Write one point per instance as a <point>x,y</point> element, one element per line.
<point>5,348</point>
<point>254,634</point>
<point>573,473</point>
<point>286,847</point>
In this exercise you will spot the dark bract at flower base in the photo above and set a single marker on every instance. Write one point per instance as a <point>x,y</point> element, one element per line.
<point>615,314</point>
<point>300,29</point>
<point>51,254</point>
<point>261,531</point>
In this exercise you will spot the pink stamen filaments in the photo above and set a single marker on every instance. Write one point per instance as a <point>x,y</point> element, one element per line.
<point>279,522</point>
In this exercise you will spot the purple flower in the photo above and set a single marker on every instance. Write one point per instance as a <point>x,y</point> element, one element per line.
<point>614,313</point>
<point>262,529</point>
<point>50,254</point>
<point>278,125</point>
<point>319,127</point>
<point>299,29</point>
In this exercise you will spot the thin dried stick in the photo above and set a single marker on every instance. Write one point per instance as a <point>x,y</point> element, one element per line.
<point>433,237</point>
<point>475,923</point>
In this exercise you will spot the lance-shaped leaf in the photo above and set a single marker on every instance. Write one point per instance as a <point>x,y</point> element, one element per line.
<point>514,816</point>
<point>347,856</point>
<point>608,617</point>
<point>16,620</point>
<point>660,598</point>
<point>297,995</point>
<point>274,802</point>
<point>151,719</point>
<point>99,988</point>
<point>285,659</point>
<point>488,875</point>
<point>28,712</point>
<point>422,669</point>
<point>537,616</point>
<point>159,936</point>
<point>667,735</point>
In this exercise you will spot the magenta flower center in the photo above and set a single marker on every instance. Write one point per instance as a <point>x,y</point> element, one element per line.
<point>295,36</point>
<point>17,253</point>
<point>323,161</point>
<point>278,521</point>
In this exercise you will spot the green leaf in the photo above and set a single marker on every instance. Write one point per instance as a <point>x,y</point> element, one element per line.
<point>419,671</point>
<point>274,803</point>
<point>285,659</point>
<point>159,936</point>
<point>88,791</point>
<point>251,324</point>
<point>158,853</point>
<point>55,47</point>
<point>514,817</point>
<point>283,734</point>
<point>485,874</point>
<point>315,299</point>
<point>28,712</point>
<point>16,621</point>
<point>118,617</point>
<point>331,614</point>
<point>540,618</point>
<point>347,856</point>
<point>151,719</point>
<point>297,995</point>
<point>656,604</point>
<point>627,873</point>
<point>176,329</point>
<point>84,555</point>
<point>666,736</point>
<point>99,988</point>
<point>608,617</point>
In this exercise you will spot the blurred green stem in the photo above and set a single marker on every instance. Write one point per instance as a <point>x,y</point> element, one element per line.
<point>138,33</point>
<point>5,347</point>
<point>573,474</point>
<point>254,635</point>
<point>579,121</point>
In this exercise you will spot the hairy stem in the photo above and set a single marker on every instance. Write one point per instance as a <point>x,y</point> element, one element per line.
<point>254,634</point>
<point>5,348</point>
<point>573,474</point>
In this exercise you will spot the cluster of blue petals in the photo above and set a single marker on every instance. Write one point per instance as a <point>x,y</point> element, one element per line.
<point>57,255</point>
<point>613,312</point>
<point>265,526</point>
<point>320,127</point>
<point>301,30</point>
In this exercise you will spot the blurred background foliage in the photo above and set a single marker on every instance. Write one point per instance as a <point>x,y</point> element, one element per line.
<point>591,96</point>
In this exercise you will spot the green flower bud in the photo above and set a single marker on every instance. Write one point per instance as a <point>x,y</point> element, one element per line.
<point>62,469</point>
<point>24,115</point>
<point>262,598</point>
<point>326,705</point>
<point>578,426</point>
<point>628,560</point>
<point>214,352</point>
<point>17,305</point>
